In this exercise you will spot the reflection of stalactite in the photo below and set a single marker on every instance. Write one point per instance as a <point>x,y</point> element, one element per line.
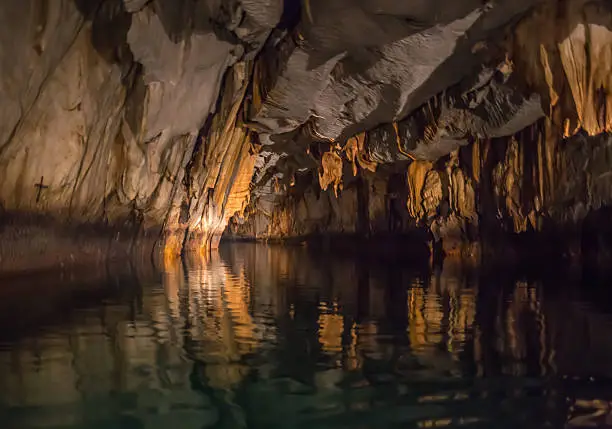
<point>352,361</point>
<point>478,353</point>
<point>237,293</point>
<point>331,327</point>
<point>228,330</point>
<point>445,303</point>
<point>222,319</point>
<point>546,353</point>
<point>518,342</point>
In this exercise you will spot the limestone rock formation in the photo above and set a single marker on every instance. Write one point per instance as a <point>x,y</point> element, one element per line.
<point>107,104</point>
<point>168,118</point>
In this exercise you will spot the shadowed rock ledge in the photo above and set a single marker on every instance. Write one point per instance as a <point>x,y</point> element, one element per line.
<point>470,124</point>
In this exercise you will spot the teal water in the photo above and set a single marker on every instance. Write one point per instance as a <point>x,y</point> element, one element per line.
<point>270,337</point>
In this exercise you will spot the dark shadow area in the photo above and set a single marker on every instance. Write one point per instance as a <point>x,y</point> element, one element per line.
<point>110,25</point>
<point>292,13</point>
<point>30,242</point>
<point>38,300</point>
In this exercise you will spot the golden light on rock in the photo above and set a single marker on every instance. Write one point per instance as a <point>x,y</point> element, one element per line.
<point>331,164</point>
<point>564,51</point>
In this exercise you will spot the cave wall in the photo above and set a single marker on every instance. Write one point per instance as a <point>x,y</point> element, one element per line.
<point>122,111</point>
<point>163,119</point>
<point>492,195</point>
<point>515,149</point>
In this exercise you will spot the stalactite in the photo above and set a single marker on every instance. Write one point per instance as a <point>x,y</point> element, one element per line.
<point>331,164</point>
<point>468,177</point>
<point>356,155</point>
<point>417,171</point>
<point>350,149</point>
<point>564,51</point>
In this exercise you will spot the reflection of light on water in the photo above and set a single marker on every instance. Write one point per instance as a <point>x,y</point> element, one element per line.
<point>443,312</point>
<point>461,421</point>
<point>439,423</point>
<point>221,327</point>
<point>294,341</point>
<point>516,335</point>
<point>292,311</point>
<point>236,295</point>
<point>331,326</point>
<point>416,326</point>
<point>352,357</point>
<point>590,413</point>
<point>367,341</point>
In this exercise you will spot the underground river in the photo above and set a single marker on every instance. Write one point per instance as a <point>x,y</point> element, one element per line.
<point>259,336</point>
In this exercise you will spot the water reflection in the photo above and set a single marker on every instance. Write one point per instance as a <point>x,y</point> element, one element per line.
<point>271,337</point>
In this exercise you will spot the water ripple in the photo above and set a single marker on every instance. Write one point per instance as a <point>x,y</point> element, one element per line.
<point>270,337</point>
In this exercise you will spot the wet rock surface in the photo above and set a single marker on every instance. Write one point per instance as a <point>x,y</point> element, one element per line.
<point>298,118</point>
<point>512,197</point>
<point>106,103</point>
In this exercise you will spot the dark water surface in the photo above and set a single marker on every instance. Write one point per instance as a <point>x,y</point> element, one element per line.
<point>270,337</point>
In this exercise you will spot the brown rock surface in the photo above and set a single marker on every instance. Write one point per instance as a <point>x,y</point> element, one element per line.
<point>168,118</point>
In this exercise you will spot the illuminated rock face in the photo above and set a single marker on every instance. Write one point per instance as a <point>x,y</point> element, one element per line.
<point>120,115</point>
<point>166,118</point>
<point>511,149</point>
<point>503,190</point>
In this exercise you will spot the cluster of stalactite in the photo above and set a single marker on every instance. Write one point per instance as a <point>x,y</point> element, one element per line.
<point>218,177</point>
<point>104,134</point>
<point>563,51</point>
<point>455,174</point>
<point>531,182</point>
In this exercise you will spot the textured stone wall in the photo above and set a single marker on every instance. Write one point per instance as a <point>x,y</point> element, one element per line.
<point>166,118</point>
<point>116,111</point>
<point>513,150</point>
<point>492,192</point>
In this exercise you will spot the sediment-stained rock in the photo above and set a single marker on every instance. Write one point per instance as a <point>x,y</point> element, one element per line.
<point>484,193</point>
<point>563,51</point>
<point>104,103</point>
<point>298,118</point>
